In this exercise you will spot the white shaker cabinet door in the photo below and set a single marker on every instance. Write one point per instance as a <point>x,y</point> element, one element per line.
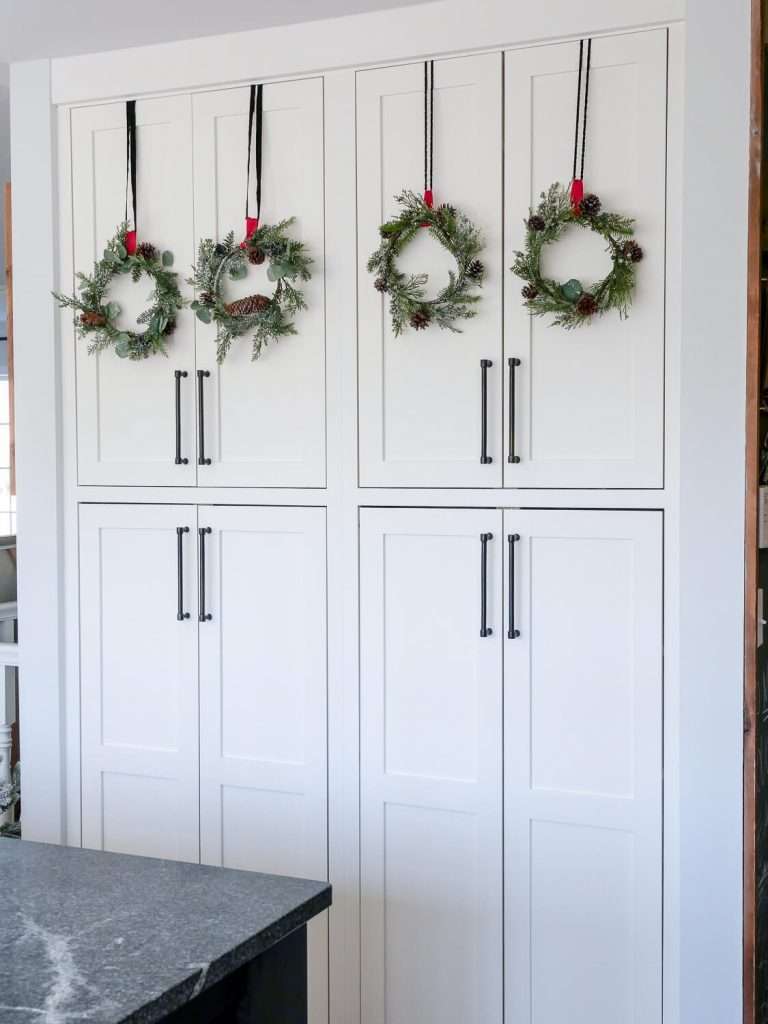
<point>431,767</point>
<point>583,767</point>
<point>263,697</point>
<point>126,410</point>
<point>139,680</point>
<point>588,404</point>
<point>265,419</point>
<point>421,415</point>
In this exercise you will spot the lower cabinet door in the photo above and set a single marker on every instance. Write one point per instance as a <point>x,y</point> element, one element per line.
<point>431,766</point>
<point>263,697</point>
<point>583,767</point>
<point>139,713</point>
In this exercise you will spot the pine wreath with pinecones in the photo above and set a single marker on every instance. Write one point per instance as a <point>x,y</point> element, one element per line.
<point>265,317</point>
<point>571,303</point>
<point>408,304</point>
<point>97,318</point>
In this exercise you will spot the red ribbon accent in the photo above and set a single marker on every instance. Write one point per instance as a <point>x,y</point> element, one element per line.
<point>251,225</point>
<point>577,193</point>
<point>130,242</point>
<point>429,198</point>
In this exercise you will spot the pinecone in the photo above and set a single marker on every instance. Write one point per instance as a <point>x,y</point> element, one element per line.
<point>248,305</point>
<point>380,284</point>
<point>530,291</point>
<point>475,270</point>
<point>92,319</point>
<point>536,223</point>
<point>419,320</point>
<point>256,256</point>
<point>632,252</point>
<point>587,304</point>
<point>590,205</point>
<point>147,250</point>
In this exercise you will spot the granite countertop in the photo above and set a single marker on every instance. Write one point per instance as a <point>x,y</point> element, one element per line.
<point>107,938</point>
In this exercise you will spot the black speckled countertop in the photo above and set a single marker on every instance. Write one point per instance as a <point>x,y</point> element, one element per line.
<point>102,937</point>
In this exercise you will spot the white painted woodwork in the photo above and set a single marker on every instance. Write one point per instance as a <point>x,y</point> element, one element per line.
<point>590,402</point>
<point>139,682</point>
<point>431,768</point>
<point>264,420</point>
<point>419,394</point>
<point>583,768</point>
<point>263,702</point>
<point>125,408</point>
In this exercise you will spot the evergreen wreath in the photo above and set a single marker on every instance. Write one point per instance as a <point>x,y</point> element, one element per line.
<point>267,318</point>
<point>98,318</point>
<point>571,303</point>
<point>408,304</point>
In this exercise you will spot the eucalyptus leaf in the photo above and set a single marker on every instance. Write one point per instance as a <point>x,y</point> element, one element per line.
<point>122,349</point>
<point>276,270</point>
<point>114,310</point>
<point>122,252</point>
<point>238,271</point>
<point>203,314</point>
<point>167,258</point>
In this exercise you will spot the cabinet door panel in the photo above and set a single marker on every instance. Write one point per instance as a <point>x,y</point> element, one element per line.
<point>589,402</point>
<point>264,420</point>
<point>138,681</point>
<point>431,769</point>
<point>583,769</point>
<point>420,408</point>
<point>126,409</point>
<point>263,695</point>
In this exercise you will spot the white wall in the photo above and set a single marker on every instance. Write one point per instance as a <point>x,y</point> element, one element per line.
<point>5,161</point>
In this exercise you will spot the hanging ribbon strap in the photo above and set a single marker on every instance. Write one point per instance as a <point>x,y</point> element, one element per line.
<point>255,107</point>
<point>429,128</point>
<point>130,174</point>
<point>577,182</point>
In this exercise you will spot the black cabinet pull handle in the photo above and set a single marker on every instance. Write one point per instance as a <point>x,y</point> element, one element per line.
<point>203,616</point>
<point>513,364</point>
<point>485,365</point>
<point>180,613</point>
<point>178,374</point>
<point>484,628</point>
<point>512,539</point>
<point>201,459</point>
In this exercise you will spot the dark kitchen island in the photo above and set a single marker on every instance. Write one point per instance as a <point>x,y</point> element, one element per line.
<point>107,938</point>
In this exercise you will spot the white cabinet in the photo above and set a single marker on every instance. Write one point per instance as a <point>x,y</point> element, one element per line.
<point>263,751</point>
<point>589,403</point>
<point>581,728</point>
<point>264,420</point>
<point>126,409</point>
<point>420,394</point>
<point>431,768</point>
<point>204,692</point>
<point>139,689</point>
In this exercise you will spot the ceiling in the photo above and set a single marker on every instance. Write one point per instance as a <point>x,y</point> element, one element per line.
<point>55,28</point>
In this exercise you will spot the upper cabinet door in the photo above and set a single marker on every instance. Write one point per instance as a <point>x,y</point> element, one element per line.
<point>127,411</point>
<point>138,671</point>
<point>589,403</point>
<point>265,419</point>
<point>421,394</point>
<point>583,767</point>
<point>431,766</point>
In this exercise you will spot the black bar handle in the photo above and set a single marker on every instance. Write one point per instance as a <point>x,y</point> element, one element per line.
<point>485,365</point>
<point>201,459</point>
<point>180,613</point>
<point>203,616</point>
<point>178,374</point>
<point>484,628</point>
<point>512,539</point>
<point>513,363</point>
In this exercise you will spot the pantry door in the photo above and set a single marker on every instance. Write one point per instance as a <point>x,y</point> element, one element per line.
<point>138,697</point>
<point>587,405</point>
<point>583,767</point>
<point>421,394</point>
<point>263,699</point>
<point>431,765</point>
<point>127,411</point>
<point>264,422</point>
